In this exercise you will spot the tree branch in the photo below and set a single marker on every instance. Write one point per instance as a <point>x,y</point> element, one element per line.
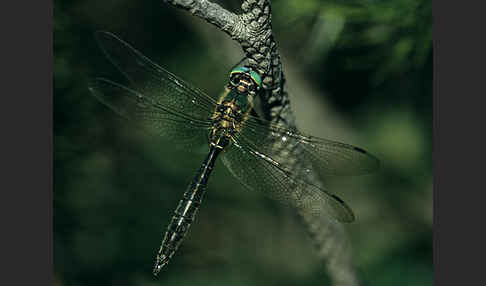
<point>253,31</point>
<point>213,13</point>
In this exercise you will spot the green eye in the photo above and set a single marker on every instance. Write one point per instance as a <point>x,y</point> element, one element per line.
<point>239,70</point>
<point>256,78</point>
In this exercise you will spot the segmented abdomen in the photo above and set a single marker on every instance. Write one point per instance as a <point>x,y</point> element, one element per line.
<point>185,212</point>
<point>178,227</point>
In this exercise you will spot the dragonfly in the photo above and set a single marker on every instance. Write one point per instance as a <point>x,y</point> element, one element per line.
<point>229,128</point>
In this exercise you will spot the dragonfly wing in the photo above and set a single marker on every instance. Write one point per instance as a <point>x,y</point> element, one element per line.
<point>153,81</point>
<point>327,157</point>
<point>183,129</point>
<point>259,172</point>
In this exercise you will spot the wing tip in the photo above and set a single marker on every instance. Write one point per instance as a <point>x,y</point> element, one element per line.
<point>374,163</point>
<point>349,215</point>
<point>360,150</point>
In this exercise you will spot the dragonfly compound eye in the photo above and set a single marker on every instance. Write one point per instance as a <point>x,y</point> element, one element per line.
<point>257,80</point>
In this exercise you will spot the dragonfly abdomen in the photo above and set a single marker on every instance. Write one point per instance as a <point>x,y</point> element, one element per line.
<point>185,212</point>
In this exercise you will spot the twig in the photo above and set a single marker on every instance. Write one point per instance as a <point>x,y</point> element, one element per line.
<point>253,31</point>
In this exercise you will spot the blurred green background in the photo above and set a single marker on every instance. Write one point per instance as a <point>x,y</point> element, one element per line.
<point>358,71</point>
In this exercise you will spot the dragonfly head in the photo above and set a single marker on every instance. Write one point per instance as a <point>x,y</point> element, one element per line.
<point>245,80</point>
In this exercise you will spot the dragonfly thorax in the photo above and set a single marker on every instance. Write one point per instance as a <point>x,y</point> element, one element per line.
<point>231,111</point>
<point>238,101</point>
<point>220,137</point>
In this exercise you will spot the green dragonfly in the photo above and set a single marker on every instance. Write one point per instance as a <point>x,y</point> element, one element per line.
<point>167,106</point>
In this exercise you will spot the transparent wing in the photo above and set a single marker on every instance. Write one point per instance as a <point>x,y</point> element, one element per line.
<point>327,157</point>
<point>259,172</point>
<point>152,81</point>
<point>184,129</point>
